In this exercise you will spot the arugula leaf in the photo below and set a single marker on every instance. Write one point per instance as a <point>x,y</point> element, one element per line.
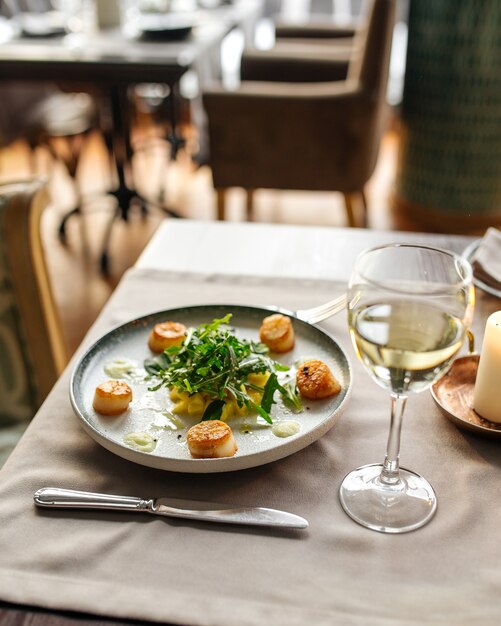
<point>269,391</point>
<point>214,410</point>
<point>290,395</point>
<point>259,409</point>
<point>157,364</point>
<point>288,391</point>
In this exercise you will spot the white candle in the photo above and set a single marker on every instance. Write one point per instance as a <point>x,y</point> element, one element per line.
<point>487,394</point>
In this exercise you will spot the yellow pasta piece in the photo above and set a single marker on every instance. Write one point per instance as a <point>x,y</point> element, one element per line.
<point>181,401</point>
<point>177,395</point>
<point>181,407</point>
<point>259,379</point>
<point>196,405</point>
<point>227,410</point>
<point>240,410</point>
<point>193,405</point>
<point>231,409</point>
<point>255,395</point>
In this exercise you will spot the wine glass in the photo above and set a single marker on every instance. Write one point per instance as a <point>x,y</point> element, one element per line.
<point>409,309</point>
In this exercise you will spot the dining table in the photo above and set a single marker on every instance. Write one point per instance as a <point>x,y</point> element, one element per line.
<point>108,61</point>
<point>69,566</point>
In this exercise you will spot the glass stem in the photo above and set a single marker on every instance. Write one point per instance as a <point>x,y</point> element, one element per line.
<point>390,472</point>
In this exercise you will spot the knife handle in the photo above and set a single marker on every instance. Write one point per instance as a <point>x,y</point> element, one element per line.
<point>71,499</point>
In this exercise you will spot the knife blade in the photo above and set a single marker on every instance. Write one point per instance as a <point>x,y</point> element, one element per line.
<point>53,497</point>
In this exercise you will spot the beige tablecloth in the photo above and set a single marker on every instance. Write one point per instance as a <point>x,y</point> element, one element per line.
<point>336,572</point>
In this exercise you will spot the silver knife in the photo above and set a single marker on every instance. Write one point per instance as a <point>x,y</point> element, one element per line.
<point>186,509</point>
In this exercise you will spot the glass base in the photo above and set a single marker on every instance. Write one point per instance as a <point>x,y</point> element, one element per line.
<point>399,508</point>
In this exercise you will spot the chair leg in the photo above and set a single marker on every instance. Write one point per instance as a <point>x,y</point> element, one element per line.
<point>62,225</point>
<point>221,197</point>
<point>249,204</point>
<point>69,157</point>
<point>348,203</point>
<point>364,207</point>
<point>104,260</point>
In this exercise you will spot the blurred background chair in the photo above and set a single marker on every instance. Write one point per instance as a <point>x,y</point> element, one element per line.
<point>32,352</point>
<point>319,37</point>
<point>335,121</point>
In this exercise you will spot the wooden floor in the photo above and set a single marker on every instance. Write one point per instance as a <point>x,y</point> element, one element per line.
<point>80,288</point>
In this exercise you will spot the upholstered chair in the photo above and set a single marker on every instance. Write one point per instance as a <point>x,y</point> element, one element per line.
<point>317,136</point>
<point>32,350</point>
<point>315,51</point>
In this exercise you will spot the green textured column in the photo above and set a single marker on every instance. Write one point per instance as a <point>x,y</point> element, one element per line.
<point>450,155</point>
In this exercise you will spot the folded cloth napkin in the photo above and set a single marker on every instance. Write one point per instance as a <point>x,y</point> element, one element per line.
<point>486,261</point>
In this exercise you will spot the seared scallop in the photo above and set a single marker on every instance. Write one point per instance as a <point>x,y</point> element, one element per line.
<point>112,397</point>
<point>315,380</point>
<point>165,335</point>
<point>211,439</point>
<point>277,333</point>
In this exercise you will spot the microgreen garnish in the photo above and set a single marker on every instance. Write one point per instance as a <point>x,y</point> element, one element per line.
<point>212,360</point>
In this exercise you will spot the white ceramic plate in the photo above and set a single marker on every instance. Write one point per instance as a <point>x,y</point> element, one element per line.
<point>166,26</point>
<point>47,24</point>
<point>149,411</point>
<point>468,255</point>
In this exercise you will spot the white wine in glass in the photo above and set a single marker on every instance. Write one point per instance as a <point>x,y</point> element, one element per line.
<point>409,309</point>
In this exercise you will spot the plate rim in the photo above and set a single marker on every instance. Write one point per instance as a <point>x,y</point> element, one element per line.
<point>468,253</point>
<point>191,465</point>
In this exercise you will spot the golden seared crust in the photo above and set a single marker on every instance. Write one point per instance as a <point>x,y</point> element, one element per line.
<point>209,433</point>
<point>277,333</point>
<point>112,397</point>
<point>165,335</point>
<point>210,439</point>
<point>315,380</point>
